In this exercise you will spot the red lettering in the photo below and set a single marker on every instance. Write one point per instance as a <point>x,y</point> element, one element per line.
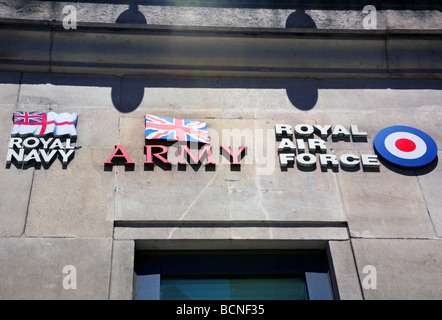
<point>157,155</point>
<point>195,160</point>
<point>234,157</point>
<point>119,153</point>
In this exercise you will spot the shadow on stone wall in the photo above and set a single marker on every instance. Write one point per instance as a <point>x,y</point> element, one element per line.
<point>303,95</point>
<point>300,20</point>
<point>131,15</point>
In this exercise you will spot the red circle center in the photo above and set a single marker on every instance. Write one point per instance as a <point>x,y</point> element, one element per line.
<point>405,145</point>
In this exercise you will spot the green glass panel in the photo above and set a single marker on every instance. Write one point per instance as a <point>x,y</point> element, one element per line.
<point>256,288</point>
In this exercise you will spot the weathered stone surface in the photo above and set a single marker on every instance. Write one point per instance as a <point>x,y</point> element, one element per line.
<point>287,233</point>
<point>431,184</point>
<point>9,88</point>
<point>32,268</point>
<point>15,188</point>
<point>344,269</point>
<point>239,77</point>
<point>143,194</point>
<point>405,269</point>
<point>15,184</point>
<point>57,91</point>
<point>259,190</point>
<point>73,202</point>
<point>31,48</point>
<point>386,204</point>
<point>260,16</point>
<point>344,102</point>
<point>232,232</point>
<point>121,283</point>
<point>91,97</point>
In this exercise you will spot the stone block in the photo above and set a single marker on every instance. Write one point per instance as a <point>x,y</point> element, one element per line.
<point>9,88</point>
<point>333,17</point>
<point>15,184</point>
<point>306,233</point>
<point>407,103</point>
<point>413,19</point>
<point>292,195</point>
<point>344,270</point>
<point>97,128</point>
<point>30,47</point>
<point>32,10</point>
<point>388,204</point>
<point>231,232</point>
<point>91,97</point>
<point>34,268</point>
<point>405,269</point>
<point>62,91</point>
<point>414,53</point>
<point>173,234</point>
<point>431,184</point>
<point>121,284</point>
<point>76,201</point>
<point>258,190</point>
<point>15,190</point>
<point>144,194</point>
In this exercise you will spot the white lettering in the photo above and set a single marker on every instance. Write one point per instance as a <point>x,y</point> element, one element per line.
<point>301,145</point>
<point>286,145</point>
<point>356,133</point>
<point>32,156</point>
<point>47,158</point>
<point>323,131</point>
<point>15,142</point>
<point>304,130</point>
<point>31,143</point>
<point>283,130</point>
<point>370,160</point>
<point>315,144</point>
<point>46,142</point>
<point>66,155</point>
<point>306,160</point>
<point>57,144</point>
<point>349,160</point>
<point>286,158</point>
<point>340,131</point>
<point>17,156</point>
<point>325,159</point>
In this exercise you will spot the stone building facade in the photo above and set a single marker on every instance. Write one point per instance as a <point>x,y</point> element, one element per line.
<point>83,229</point>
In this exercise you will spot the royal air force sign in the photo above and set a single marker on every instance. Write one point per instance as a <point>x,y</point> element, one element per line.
<point>405,146</point>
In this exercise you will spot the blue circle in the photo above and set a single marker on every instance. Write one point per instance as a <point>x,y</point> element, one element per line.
<point>426,158</point>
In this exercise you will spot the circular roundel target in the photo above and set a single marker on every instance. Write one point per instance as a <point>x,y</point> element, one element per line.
<point>405,146</point>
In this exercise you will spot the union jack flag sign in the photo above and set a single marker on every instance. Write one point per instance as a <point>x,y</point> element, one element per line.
<point>40,123</point>
<point>176,129</point>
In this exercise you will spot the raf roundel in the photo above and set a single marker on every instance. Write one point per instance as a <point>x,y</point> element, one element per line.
<point>405,146</point>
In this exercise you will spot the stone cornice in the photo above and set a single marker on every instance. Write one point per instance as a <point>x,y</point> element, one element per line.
<point>95,48</point>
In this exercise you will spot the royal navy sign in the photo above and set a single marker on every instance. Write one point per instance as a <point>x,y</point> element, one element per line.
<point>39,137</point>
